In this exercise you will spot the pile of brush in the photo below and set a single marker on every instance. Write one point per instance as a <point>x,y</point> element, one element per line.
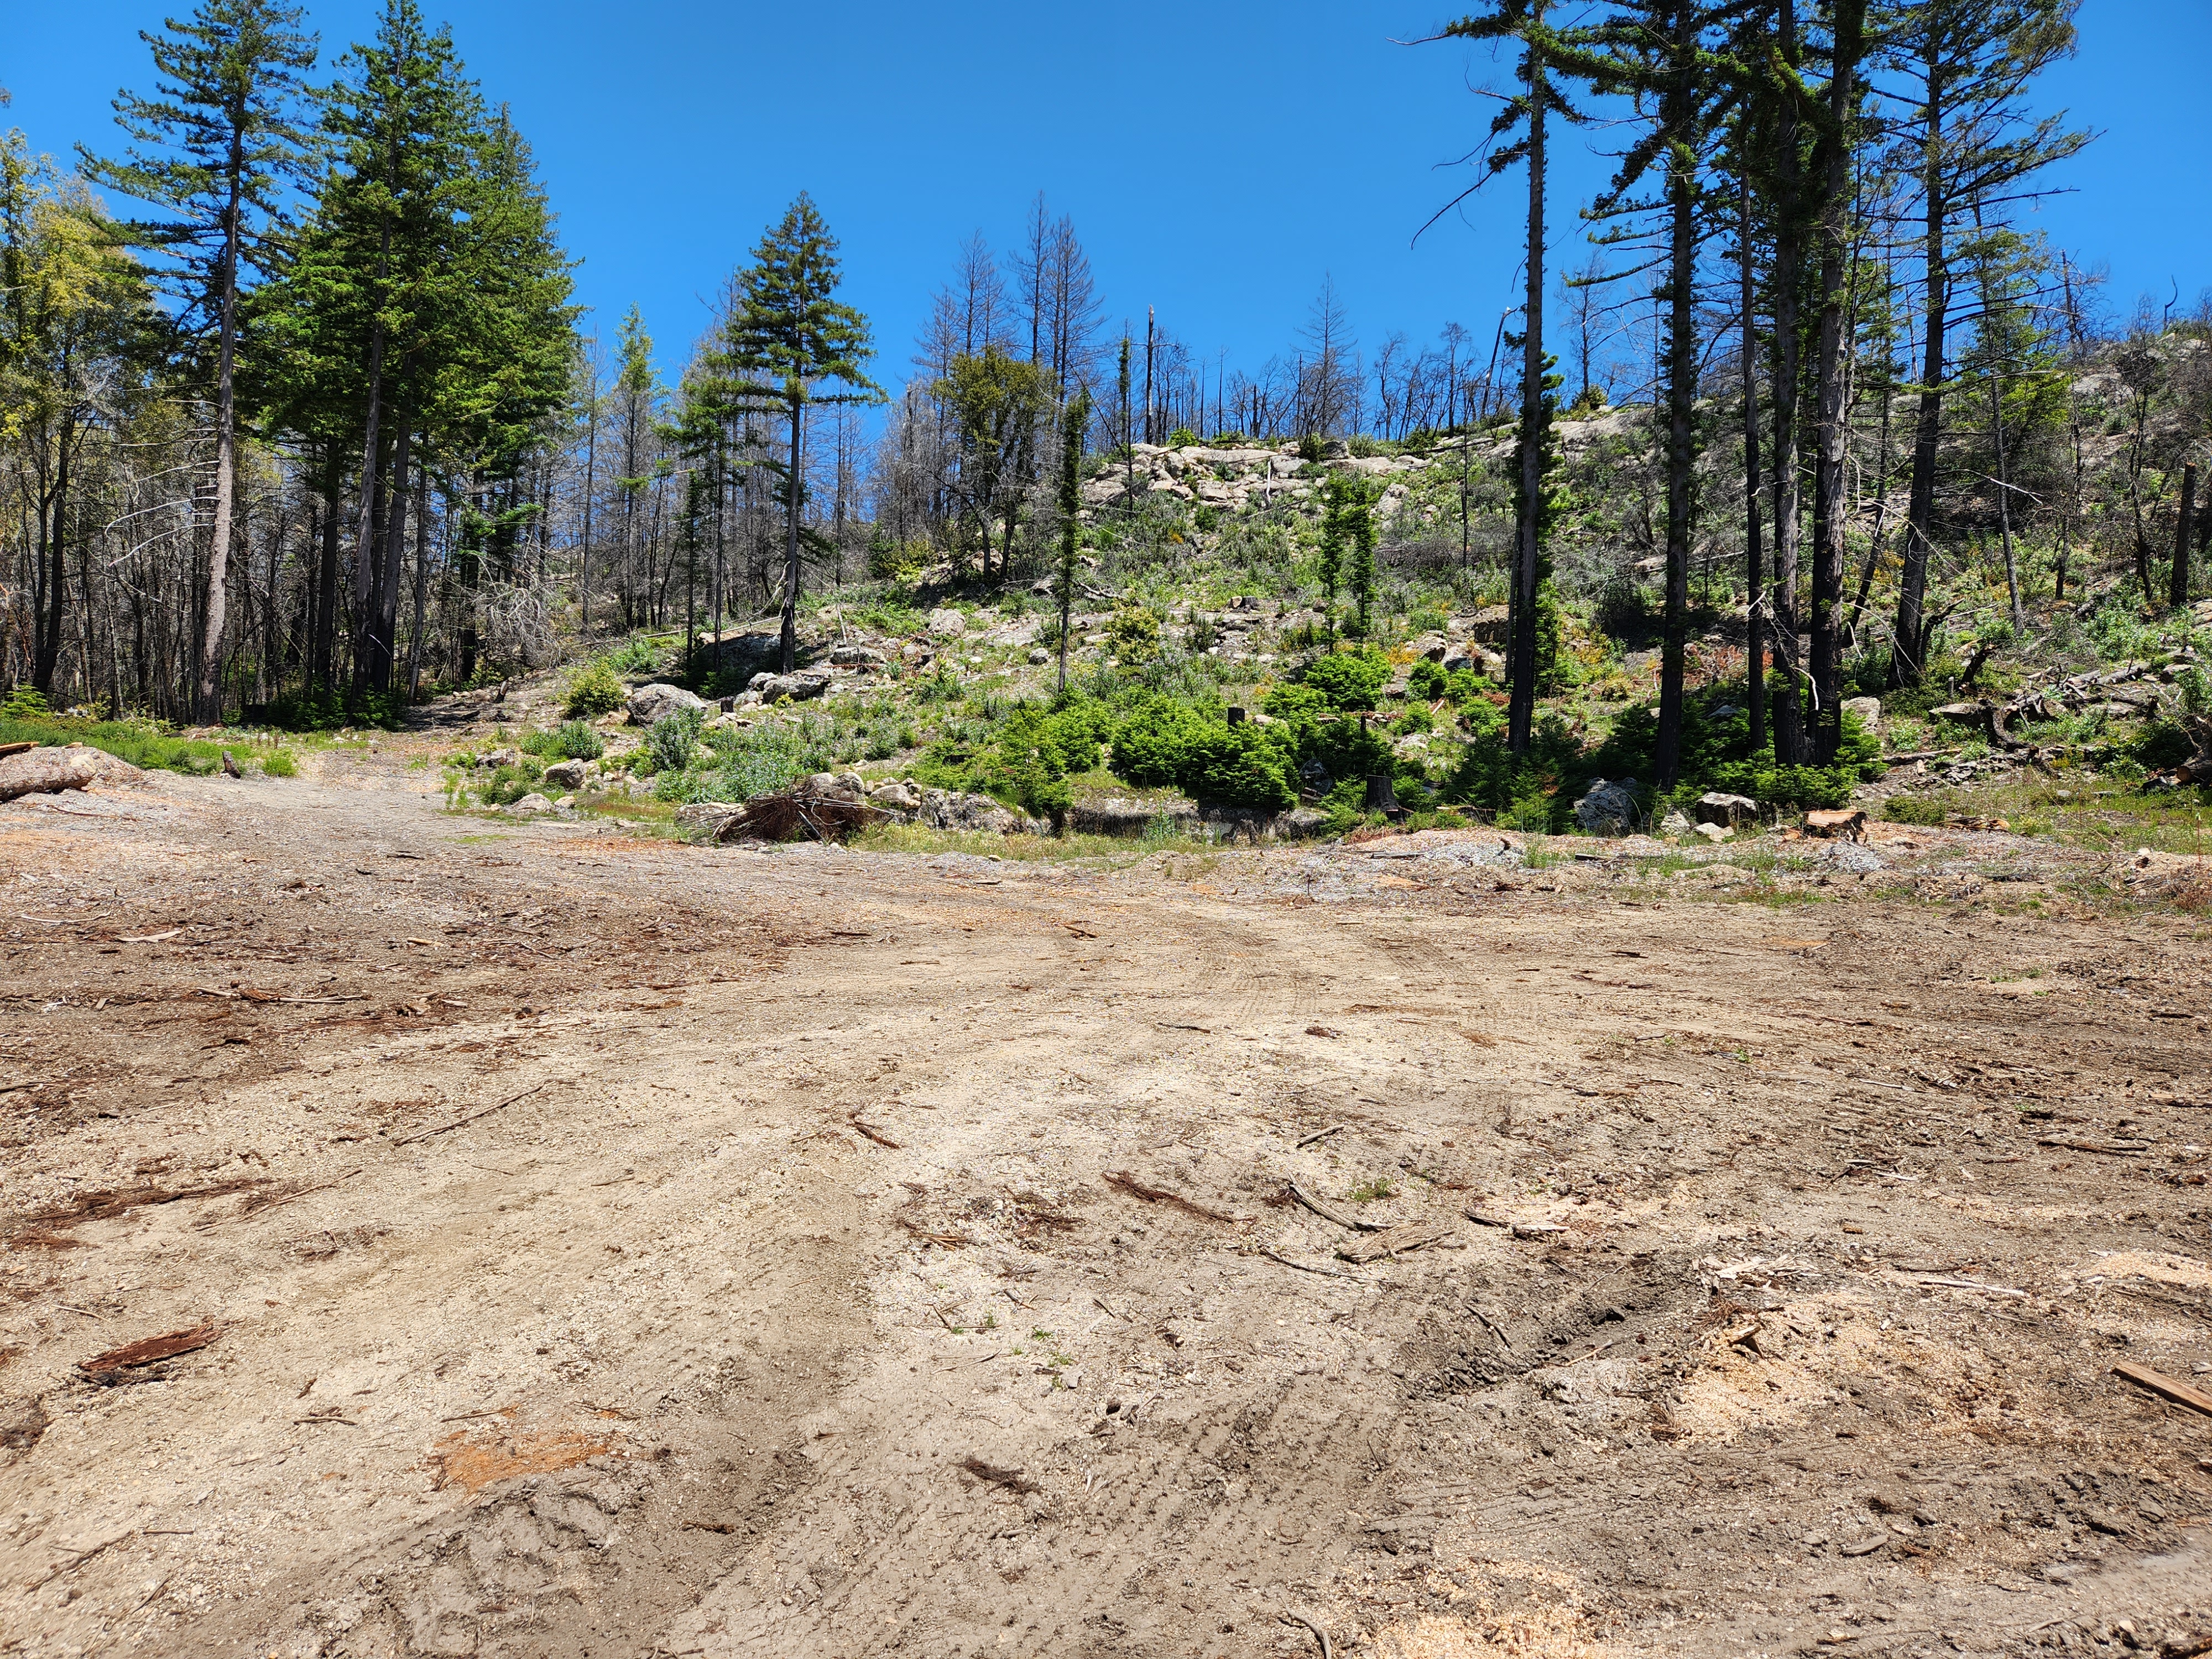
<point>799,815</point>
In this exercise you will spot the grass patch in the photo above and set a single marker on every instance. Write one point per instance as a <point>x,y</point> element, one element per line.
<point>146,743</point>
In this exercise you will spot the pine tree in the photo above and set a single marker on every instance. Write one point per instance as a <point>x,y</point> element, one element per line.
<point>791,338</point>
<point>1525,22</point>
<point>216,147</point>
<point>1359,554</point>
<point>1074,421</point>
<point>1967,138</point>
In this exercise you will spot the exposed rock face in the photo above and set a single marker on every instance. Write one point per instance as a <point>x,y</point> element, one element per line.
<point>1868,709</point>
<point>1490,626</point>
<point>650,703</point>
<point>532,805</point>
<point>944,809</point>
<point>740,654</point>
<point>1609,809</point>
<point>856,656</point>
<point>706,817</point>
<point>565,774</point>
<point>946,624</point>
<point>1131,815</point>
<point>798,687</point>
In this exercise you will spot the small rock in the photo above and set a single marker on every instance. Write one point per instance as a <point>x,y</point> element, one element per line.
<point>1674,825</point>
<point>896,797</point>
<point>946,624</point>
<point>1849,855</point>
<point>530,805</point>
<point>856,656</point>
<point>1039,655</point>
<point>1712,832</point>
<point>565,774</point>
<point>1868,709</point>
<point>1730,810</point>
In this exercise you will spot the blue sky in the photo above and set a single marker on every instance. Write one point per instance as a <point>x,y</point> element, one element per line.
<point>1218,159</point>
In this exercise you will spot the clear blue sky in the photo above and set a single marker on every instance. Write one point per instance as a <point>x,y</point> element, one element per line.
<point>1218,158</point>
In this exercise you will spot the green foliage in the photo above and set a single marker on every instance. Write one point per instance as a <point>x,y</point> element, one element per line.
<point>1926,810</point>
<point>1311,449</point>
<point>634,656</point>
<point>2161,744</point>
<point>1159,740</point>
<point>1349,680</point>
<point>574,740</point>
<point>25,702</point>
<point>673,739</point>
<point>1181,438</point>
<point>279,763</point>
<point>142,742</point>
<point>595,690</point>
<point>898,562</point>
<point>1134,635</point>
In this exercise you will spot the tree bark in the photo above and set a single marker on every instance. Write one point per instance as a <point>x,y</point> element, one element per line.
<point>1907,648</point>
<point>208,704</point>
<point>1520,710</point>
<point>1681,387</point>
<point>1755,556</point>
<point>1832,430</point>
<point>1790,748</point>
<point>2177,595</point>
<point>793,495</point>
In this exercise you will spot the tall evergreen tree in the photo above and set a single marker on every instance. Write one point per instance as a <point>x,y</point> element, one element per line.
<point>216,147</point>
<point>800,348</point>
<point>1529,112</point>
<point>1073,421</point>
<point>1968,137</point>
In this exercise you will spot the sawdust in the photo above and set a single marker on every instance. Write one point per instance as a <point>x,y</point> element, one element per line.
<point>473,1464</point>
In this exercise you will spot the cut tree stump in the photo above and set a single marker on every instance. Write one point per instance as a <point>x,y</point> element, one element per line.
<point>1849,824</point>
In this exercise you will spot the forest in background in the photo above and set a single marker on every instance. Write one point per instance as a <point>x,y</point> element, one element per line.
<point>298,426</point>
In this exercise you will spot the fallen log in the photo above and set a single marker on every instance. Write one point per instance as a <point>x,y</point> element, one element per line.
<point>46,771</point>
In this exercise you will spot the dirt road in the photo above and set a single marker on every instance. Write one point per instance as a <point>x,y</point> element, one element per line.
<point>573,1244</point>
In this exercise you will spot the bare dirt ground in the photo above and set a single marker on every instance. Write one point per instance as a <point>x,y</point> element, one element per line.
<point>576,1244</point>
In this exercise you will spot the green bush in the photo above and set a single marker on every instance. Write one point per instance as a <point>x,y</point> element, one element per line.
<point>635,656</point>
<point>279,763</point>
<point>1181,438</point>
<point>25,702</point>
<point>1160,741</point>
<point>575,740</point>
<point>1924,810</point>
<point>1350,680</point>
<point>673,739</point>
<point>596,690</point>
<point>1134,635</point>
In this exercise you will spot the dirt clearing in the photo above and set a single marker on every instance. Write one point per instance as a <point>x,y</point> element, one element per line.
<point>427,1235</point>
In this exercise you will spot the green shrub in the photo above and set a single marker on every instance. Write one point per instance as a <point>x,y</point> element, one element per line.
<point>1134,635</point>
<point>1350,680</point>
<point>279,763</point>
<point>1924,810</point>
<point>1311,449</point>
<point>634,656</point>
<point>596,690</point>
<point>25,702</point>
<point>1181,438</point>
<point>1160,741</point>
<point>575,740</point>
<point>673,739</point>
